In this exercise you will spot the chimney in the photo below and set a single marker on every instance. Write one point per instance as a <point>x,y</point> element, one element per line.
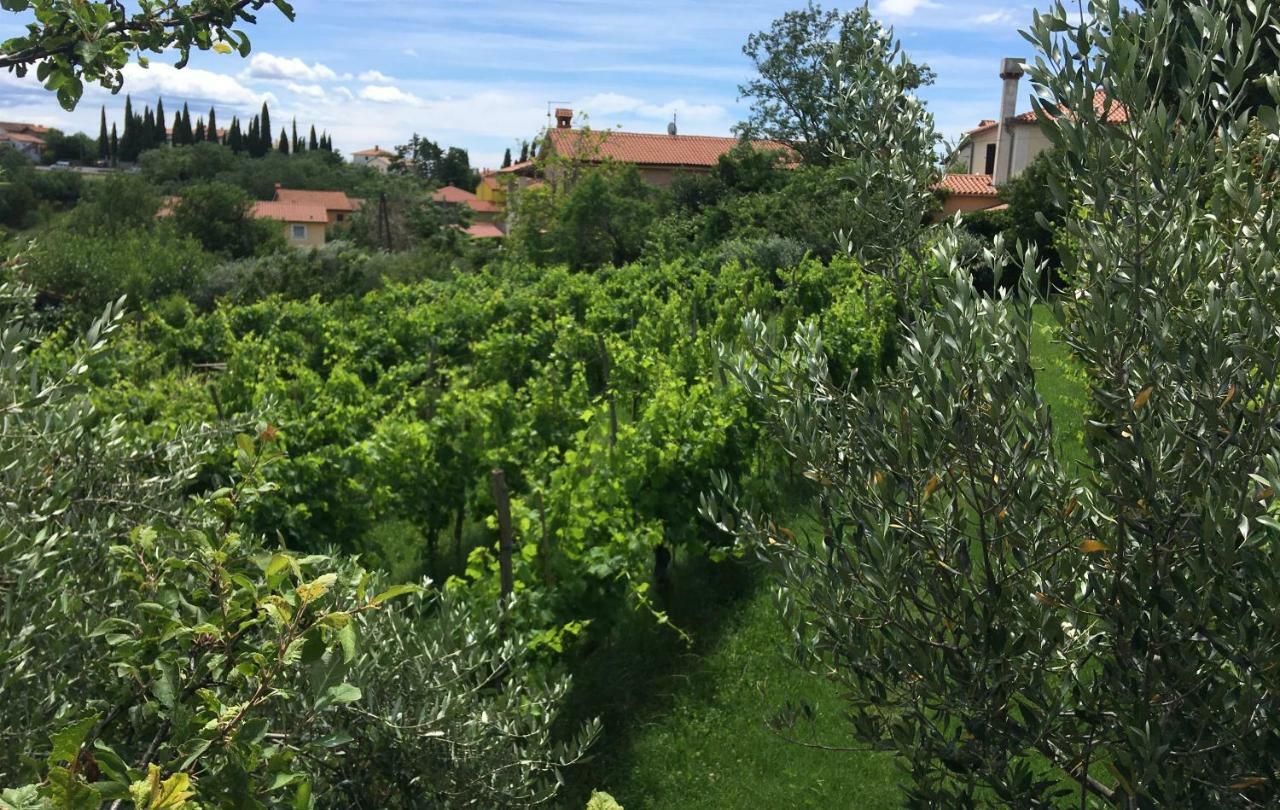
<point>1011,71</point>
<point>564,118</point>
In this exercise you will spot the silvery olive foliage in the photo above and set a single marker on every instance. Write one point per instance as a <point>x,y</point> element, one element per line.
<point>1022,629</point>
<point>154,654</point>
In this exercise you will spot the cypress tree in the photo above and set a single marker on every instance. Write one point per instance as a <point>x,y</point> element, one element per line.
<point>187,136</point>
<point>254,139</point>
<point>147,137</point>
<point>506,159</point>
<point>212,131</point>
<point>297,144</point>
<point>265,131</point>
<point>199,136</point>
<point>283,146</point>
<point>175,137</point>
<point>127,153</point>
<point>115,144</point>
<point>233,135</point>
<point>314,144</point>
<point>104,142</point>
<point>161,136</point>
<point>524,151</point>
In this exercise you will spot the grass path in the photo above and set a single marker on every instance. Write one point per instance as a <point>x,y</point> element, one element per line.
<point>689,728</point>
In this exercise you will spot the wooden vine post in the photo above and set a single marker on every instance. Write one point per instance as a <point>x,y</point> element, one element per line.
<point>502,500</point>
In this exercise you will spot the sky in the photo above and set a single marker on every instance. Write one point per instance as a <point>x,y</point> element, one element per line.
<point>481,74</point>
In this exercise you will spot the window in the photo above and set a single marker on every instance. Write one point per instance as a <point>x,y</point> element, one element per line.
<point>991,159</point>
<point>341,217</point>
<point>299,231</point>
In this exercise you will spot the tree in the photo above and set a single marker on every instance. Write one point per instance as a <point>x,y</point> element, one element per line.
<point>313,145</point>
<point>161,137</point>
<point>1022,627</point>
<point>104,142</point>
<point>506,158</point>
<point>265,131</point>
<point>524,151</point>
<point>115,145</point>
<point>212,132</point>
<point>69,47</point>
<point>129,139</point>
<point>147,131</point>
<point>199,135</point>
<point>235,139</point>
<point>219,216</point>
<point>283,146</point>
<point>296,143</point>
<point>795,60</point>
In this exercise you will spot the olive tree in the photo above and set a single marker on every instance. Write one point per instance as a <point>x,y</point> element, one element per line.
<point>1022,629</point>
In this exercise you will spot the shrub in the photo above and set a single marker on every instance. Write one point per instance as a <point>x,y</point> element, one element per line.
<point>218,216</point>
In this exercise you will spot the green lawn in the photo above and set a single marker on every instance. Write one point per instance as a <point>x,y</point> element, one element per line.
<point>689,727</point>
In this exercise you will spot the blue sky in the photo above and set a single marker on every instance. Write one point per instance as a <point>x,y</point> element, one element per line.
<point>480,73</point>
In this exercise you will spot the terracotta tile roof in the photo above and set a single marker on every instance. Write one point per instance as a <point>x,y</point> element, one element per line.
<point>1106,108</point>
<point>524,166</point>
<point>20,137</point>
<point>328,200</point>
<point>644,149</point>
<point>376,151</point>
<point>968,185</point>
<point>290,211</point>
<point>484,230</point>
<point>18,127</point>
<point>452,195</point>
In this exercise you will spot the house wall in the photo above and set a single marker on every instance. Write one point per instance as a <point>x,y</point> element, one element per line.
<point>315,234</point>
<point>959,203</point>
<point>1028,141</point>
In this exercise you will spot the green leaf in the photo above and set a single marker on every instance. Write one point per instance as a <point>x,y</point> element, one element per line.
<point>394,591</point>
<point>67,741</point>
<point>344,693</point>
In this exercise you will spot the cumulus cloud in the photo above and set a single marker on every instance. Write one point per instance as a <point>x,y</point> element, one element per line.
<point>902,8</point>
<point>609,104</point>
<point>375,77</point>
<point>1002,17</point>
<point>191,84</point>
<point>287,68</point>
<point>314,91</point>
<point>388,94</point>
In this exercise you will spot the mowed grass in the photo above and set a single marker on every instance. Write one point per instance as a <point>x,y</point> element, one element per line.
<point>690,727</point>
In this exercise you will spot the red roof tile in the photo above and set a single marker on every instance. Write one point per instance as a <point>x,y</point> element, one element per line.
<point>484,230</point>
<point>1106,109</point>
<point>644,149</point>
<point>376,151</point>
<point>289,211</point>
<point>329,200</point>
<point>20,137</point>
<point>452,195</point>
<point>968,185</point>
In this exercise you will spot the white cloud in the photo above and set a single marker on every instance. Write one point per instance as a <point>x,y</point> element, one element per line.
<point>375,77</point>
<point>608,104</point>
<point>309,90</point>
<point>287,68</point>
<point>1002,17</point>
<point>387,94</point>
<point>191,84</point>
<point>902,8</point>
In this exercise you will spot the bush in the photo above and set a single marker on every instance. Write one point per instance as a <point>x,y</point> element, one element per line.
<point>83,272</point>
<point>217,214</point>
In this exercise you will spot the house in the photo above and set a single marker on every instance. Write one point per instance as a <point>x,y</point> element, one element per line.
<point>308,216</point>
<point>26,138</point>
<point>485,215</point>
<point>481,210</point>
<point>998,150</point>
<point>375,158</point>
<point>660,158</point>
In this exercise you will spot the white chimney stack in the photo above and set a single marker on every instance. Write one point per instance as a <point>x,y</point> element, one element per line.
<point>1011,71</point>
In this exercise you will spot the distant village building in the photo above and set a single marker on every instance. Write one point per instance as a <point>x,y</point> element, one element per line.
<point>376,158</point>
<point>659,158</point>
<point>307,217</point>
<point>24,137</point>
<point>485,215</point>
<point>998,150</point>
